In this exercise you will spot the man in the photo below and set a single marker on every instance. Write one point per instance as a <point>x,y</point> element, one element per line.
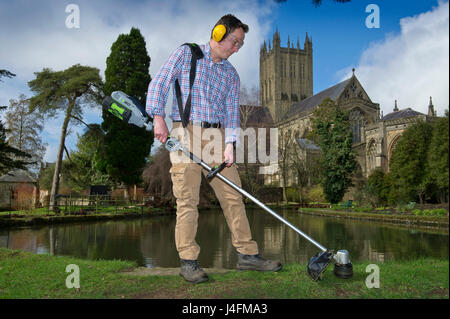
<point>214,110</point>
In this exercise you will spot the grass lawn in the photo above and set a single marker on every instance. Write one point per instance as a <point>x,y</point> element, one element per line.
<point>435,221</point>
<point>27,275</point>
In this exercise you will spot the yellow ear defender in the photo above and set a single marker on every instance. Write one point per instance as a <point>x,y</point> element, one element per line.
<point>219,32</point>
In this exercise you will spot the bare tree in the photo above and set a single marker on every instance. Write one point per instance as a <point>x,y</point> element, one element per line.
<point>24,130</point>
<point>251,117</point>
<point>305,166</point>
<point>285,144</point>
<point>156,176</point>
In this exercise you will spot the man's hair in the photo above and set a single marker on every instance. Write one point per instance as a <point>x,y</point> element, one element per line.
<point>232,23</point>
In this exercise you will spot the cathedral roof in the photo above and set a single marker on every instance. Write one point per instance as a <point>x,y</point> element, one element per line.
<point>309,103</point>
<point>401,114</point>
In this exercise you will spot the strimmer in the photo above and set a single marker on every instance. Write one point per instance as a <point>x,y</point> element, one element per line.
<point>130,111</point>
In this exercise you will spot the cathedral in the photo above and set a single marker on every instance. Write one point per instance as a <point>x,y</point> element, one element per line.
<point>286,91</point>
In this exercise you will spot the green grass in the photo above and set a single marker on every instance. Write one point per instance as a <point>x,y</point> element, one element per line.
<point>429,220</point>
<point>27,275</point>
<point>28,212</point>
<point>39,212</point>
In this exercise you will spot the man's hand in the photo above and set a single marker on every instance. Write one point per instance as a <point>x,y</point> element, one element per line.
<point>228,154</point>
<point>160,129</point>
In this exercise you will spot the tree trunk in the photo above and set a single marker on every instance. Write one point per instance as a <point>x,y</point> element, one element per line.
<point>55,182</point>
<point>284,187</point>
<point>126,194</point>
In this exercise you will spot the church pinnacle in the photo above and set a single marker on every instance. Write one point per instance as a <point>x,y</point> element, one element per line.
<point>431,111</point>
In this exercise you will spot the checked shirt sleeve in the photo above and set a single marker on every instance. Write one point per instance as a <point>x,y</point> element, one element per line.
<point>232,119</point>
<point>158,89</point>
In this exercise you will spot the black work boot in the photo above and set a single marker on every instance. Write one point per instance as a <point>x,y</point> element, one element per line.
<point>191,271</point>
<point>256,262</point>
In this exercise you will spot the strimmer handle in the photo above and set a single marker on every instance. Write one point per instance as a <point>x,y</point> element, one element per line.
<point>215,170</point>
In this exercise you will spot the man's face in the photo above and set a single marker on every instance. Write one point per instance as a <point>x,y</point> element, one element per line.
<point>232,43</point>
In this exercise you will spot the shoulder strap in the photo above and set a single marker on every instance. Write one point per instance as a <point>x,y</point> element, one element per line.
<point>197,54</point>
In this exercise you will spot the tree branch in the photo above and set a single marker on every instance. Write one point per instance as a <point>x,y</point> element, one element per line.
<point>77,118</point>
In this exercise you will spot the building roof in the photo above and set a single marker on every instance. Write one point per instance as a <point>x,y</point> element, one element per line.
<point>309,103</point>
<point>307,144</point>
<point>17,177</point>
<point>401,114</point>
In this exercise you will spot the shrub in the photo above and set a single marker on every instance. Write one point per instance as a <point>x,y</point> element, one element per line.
<point>315,194</point>
<point>440,212</point>
<point>430,212</point>
<point>292,195</point>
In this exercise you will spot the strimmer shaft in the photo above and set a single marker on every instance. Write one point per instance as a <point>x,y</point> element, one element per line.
<point>256,201</point>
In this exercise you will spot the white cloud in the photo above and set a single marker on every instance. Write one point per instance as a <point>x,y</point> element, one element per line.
<point>36,37</point>
<point>410,66</point>
<point>51,153</point>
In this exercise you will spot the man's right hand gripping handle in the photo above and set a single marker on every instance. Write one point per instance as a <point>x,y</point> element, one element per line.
<point>160,129</point>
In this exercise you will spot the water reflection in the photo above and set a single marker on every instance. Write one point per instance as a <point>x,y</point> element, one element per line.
<point>150,241</point>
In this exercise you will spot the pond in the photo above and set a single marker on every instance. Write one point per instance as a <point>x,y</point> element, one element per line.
<point>149,241</point>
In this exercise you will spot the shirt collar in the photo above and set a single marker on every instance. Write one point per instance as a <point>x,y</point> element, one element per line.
<point>207,52</point>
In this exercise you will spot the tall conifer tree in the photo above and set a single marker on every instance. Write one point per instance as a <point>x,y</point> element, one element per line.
<point>126,147</point>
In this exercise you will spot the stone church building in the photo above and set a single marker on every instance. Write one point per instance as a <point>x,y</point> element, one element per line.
<point>286,90</point>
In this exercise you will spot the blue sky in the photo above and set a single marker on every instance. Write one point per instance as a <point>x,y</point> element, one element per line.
<point>339,32</point>
<point>405,59</point>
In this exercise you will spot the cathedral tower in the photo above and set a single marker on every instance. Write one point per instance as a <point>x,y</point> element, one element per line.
<point>286,75</point>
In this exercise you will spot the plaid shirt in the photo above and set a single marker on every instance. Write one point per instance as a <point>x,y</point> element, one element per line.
<point>215,93</point>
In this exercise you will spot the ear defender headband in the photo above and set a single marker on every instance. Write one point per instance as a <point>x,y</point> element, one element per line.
<point>219,32</point>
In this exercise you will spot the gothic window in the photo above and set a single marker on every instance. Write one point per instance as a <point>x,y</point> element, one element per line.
<point>270,89</point>
<point>371,156</point>
<point>353,87</point>
<point>360,95</point>
<point>346,95</point>
<point>294,97</point>
<point>357,124</point>
<point>265,91</point>
<point>392,148</point>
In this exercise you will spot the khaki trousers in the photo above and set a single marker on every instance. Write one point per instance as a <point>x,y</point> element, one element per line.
<point>186,181</point>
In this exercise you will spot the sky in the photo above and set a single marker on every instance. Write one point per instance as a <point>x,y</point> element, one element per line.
<point>403,57</point>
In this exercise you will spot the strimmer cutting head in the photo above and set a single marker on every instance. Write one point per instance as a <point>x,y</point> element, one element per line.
<point>343,268</point>
<point>318,264</point>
